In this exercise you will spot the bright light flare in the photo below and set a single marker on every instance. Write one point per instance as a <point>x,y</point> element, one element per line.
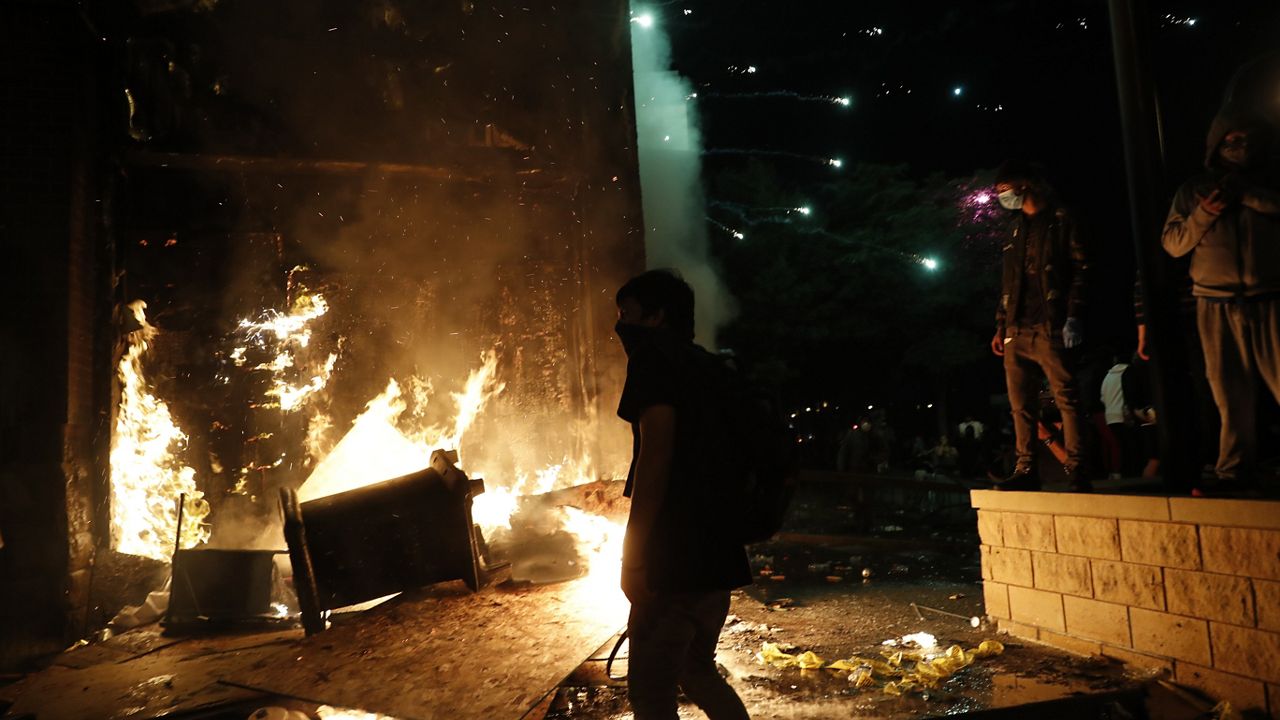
<point>328,712</point>
<point>982,198</point>
<point>929,263</point>
<point>835,162</point>
<point>645,20</point>
<point>806,210</point>
<point>957,91</point>
<point>844,101</point>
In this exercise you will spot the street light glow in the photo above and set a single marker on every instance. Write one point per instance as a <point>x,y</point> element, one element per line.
<point>929,263</point>
<point>957,91</point>
<point>645,21</point>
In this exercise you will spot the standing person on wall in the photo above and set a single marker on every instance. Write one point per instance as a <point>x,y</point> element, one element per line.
<point>1039,318</point>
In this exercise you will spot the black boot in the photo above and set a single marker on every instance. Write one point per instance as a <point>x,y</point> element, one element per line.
<point>1023,478</point>
<point>1076,480</point>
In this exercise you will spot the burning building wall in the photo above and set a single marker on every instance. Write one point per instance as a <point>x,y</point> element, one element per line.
<point>431,190</point>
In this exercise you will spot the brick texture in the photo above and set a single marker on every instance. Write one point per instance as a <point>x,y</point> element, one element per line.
<point>1129,584</point>
<point>1070,644</point>
<point>1157,543</point>
<point>1090,537</point>
<point>1011,565</point>
<point>1062,573</point>
<point>989,528</point>
<point>1267,595</point>
<point>1209,595</point>
<point>1022,630</point>
<point>995,598</point>
<point>1094,620</point>
<point>1172,636</point>
<point>1150,663</point>
<point>1245,651</point>
<point>1237,551</point>
<point>1028,531</point>
<point>1036,607</point>
<point>1244,693</point>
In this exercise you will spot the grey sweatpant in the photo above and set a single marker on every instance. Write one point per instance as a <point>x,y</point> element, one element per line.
<point>1241,342</point>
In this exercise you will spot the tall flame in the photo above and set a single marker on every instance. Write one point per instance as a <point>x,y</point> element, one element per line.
<point>146,477</point>
<point>377,449</point>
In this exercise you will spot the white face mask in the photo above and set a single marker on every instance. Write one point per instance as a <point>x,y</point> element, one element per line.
<point>1010,200</point>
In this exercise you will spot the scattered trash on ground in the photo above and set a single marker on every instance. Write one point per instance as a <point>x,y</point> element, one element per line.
<point>899,672</point>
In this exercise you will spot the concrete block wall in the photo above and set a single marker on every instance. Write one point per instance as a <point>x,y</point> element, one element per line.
<point>1187,586</point>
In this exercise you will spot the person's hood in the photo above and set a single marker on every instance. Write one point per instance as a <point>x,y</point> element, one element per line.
<point>1224,123</point>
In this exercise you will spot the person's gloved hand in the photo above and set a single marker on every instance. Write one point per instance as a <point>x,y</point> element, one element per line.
<point>1072,333</point>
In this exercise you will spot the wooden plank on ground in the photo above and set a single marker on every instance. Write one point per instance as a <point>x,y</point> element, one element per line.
<point>445,652</point>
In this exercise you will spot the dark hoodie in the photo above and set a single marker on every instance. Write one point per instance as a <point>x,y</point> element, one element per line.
<point>1235,254</point>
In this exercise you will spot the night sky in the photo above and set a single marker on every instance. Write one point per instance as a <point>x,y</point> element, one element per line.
<point>1035,79</point>
<point>958,87</point>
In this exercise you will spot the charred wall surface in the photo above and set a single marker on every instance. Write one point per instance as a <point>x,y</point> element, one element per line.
<point>453,176</point>
<point>50,413</point>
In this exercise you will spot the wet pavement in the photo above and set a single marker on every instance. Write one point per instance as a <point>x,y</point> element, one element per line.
<point>811,595</point>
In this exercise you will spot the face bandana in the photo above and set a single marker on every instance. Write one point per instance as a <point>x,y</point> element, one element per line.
<point>634,336</point>
<point>1010,200</point>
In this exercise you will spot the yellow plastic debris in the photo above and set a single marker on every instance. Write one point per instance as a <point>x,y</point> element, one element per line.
<point>770,654</point>
<point>809,661</point>
<point>862,679</point>
<point>988,648</point>
<point>900,672</point>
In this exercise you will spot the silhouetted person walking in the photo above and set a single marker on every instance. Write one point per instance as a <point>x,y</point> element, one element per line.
<point>678,563</point>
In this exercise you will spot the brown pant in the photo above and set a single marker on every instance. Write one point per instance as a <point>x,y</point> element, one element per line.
<point>1241,342</point>
<point>1029,353</point>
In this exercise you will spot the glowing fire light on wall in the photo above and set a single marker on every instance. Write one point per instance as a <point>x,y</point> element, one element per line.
<point>146,477</point>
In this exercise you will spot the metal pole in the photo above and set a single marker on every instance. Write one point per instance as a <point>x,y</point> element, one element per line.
<point>1144,162</point>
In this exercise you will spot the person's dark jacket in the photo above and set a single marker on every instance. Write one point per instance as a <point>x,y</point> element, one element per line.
<point>1063,271</point>
<point>1237,253</point>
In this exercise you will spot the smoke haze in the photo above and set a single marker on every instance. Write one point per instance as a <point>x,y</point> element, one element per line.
<point>670,147</point>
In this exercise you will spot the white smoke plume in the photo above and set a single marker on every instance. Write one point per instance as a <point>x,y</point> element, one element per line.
<point>670,149</point>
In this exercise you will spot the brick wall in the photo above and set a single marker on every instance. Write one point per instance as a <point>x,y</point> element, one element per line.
<point>48,416</point>
<point>1187,586</point>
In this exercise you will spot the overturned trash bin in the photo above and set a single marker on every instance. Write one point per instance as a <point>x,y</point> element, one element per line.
<point>384,538</point>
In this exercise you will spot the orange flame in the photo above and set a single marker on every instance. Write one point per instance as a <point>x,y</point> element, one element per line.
<point>146,477</point>
<point>377,449</point>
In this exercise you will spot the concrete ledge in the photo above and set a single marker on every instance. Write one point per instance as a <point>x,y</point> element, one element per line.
<point>1227,513</point>
<point>1190,585</point>
<point>1125,507</point>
